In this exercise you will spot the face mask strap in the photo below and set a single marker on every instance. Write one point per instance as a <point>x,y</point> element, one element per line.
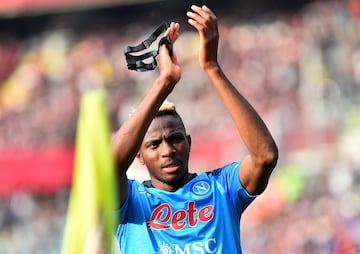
<point>136,62</point>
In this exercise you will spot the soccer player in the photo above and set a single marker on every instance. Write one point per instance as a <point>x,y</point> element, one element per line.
<point>176,211</point>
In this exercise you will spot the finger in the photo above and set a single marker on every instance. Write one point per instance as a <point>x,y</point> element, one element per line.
<point>173,31</point>
<point>168,30</point>
<point>202,16</point>
<point>196,8</point>
<point>195,24</point>
<point>204,12</point>
<point>195,21</point>
<point>195,17</point>
<point>207,10</point>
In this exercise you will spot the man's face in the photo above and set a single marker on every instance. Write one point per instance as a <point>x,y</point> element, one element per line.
<point>165,152</point>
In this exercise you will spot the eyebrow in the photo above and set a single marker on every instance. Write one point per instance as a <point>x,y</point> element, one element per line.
<point>173,132</point>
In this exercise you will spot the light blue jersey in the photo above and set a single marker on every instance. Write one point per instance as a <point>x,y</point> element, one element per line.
<point>201,217</point>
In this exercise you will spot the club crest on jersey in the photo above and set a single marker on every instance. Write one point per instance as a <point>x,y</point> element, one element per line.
<point>200,188</point>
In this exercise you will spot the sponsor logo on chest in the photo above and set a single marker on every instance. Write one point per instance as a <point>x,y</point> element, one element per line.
<point>164,217</point>
<point>206,246</point>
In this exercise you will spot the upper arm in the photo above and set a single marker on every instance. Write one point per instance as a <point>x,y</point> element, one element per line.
<point>254,176</point>
<point>122,189</point>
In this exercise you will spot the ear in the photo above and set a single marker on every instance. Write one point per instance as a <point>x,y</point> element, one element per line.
<point>189,140</point>
<point>140,158</point>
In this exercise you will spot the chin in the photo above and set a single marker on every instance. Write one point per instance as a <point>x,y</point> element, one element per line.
<point>177,178</point>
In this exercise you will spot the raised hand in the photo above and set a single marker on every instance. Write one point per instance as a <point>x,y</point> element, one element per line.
<point>173,31</point>
<point>168,66</point>
<point>205,22</point>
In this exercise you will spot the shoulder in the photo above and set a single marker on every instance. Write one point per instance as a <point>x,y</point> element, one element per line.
<point>227,177</point>
<point>228,169</point>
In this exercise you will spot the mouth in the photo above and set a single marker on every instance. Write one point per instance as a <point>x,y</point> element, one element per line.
<point>171,167</point>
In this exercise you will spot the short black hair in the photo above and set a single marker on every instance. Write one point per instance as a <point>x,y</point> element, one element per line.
<point>169,109</point>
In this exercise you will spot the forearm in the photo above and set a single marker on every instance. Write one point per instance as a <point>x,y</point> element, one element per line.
<point>127,140</point>
<point>251,127</point>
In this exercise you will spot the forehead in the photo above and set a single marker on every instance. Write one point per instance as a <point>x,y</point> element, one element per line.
<point>166,123</point>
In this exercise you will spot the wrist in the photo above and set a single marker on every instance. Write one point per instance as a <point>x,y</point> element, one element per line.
<point>212,69</point>
<point>165,84</point>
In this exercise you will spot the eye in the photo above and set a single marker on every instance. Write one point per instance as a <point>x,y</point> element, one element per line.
<point>154,144</point>
<point>177,139</point>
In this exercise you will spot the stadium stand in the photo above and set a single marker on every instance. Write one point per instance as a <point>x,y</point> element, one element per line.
<point>300,67</point>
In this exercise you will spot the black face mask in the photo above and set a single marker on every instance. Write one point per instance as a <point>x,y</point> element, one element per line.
<point>136,62</point>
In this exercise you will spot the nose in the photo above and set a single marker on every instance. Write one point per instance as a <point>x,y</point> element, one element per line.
<point>168,149</point>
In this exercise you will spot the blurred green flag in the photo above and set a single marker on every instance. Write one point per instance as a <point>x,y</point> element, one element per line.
<point>90,221</point>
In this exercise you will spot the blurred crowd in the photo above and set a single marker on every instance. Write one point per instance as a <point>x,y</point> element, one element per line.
<point>300,71</point>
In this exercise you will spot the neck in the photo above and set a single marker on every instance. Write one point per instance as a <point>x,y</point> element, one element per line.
<point>170,187</point>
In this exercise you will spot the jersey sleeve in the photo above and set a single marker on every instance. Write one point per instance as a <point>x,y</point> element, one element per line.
<point>228,177</point>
